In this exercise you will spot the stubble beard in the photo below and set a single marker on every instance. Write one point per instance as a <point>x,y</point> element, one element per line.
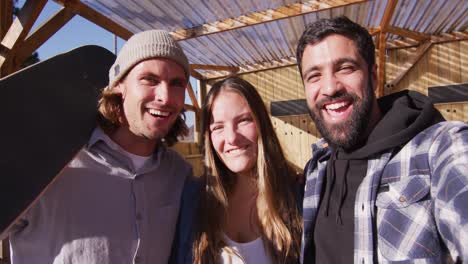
<point>158,134</point>
<point>347,134</point>
<point>143,130</point>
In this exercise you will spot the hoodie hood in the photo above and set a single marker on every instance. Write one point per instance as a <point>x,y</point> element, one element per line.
<point>404,115</point>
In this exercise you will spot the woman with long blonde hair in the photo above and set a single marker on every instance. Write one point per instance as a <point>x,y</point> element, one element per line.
<point>248,208</point>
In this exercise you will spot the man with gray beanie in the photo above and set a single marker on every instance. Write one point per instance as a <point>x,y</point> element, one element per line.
<point>118,200</point>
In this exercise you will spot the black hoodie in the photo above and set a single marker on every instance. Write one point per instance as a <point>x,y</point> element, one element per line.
<point>404,115</point>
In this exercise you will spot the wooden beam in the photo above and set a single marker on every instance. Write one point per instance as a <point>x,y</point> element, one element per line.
<point>422,49</point>
<point>456,36</point>
<point>256,18</point>
<point>448,37</point>
<point>388,14</point>
<point>384,24</point>
<point>193,97</point>
<point>6,19</point>
<point>408,33</point>
<point>18,32</point>
<point>402,43</point>
<point>381,66</point>
<point>6,16</point>
<point>377,42</point>
<point>255,68</point>
<point>195,107</point>
<point>196,75</point>
<point>214,67</point>
<point>23,23</point>
<point>435,39</point>
<point>97,18</point>
<point>374,31</point>
<point>190,108</point>
<point>201,97</point>
<point>44,32</point>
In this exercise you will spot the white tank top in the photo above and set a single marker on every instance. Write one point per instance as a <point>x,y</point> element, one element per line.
<point>252,252</point>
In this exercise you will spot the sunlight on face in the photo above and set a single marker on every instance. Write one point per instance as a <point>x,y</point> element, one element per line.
<point>153,96</point>
<point>338,88</point>
<point>233,132</point>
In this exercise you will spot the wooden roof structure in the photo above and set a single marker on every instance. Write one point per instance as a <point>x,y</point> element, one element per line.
<point>225,36</point>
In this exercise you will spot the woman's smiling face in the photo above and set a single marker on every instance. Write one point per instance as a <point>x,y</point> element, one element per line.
<point>233,132</point>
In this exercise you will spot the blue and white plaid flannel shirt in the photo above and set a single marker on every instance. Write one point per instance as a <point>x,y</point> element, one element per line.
<point>423,212</point>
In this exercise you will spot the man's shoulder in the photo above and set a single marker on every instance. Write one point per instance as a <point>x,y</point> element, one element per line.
<point>431,146</point>
<point>446,126</point>
<point>440,132</point>
<point>320,151</point>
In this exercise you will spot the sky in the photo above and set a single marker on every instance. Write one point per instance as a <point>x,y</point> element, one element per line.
<point>79,32</point>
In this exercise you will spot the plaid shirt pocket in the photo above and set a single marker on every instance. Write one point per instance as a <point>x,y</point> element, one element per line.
<point>405,224</point>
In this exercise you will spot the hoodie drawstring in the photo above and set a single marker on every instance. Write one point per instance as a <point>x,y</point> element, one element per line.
<point>343,191</point>
<point>331,180</point>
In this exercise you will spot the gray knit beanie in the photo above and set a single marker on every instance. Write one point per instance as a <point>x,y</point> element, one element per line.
<point>146,45</point>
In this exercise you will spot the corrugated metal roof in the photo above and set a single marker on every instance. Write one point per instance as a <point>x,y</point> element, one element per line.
<point>275,41</point>
<point>177,14</point>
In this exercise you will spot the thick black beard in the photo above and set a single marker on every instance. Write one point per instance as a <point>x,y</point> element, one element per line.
<point>352,129</point>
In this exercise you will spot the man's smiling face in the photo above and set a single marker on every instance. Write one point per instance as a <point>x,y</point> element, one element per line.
<point>153,96</point>
<point>338,88</point>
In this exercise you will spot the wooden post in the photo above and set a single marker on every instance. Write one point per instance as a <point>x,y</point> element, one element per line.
<point>193,97</point>
<point>384,24</point>
<point>197,133</point>
<point>381,66</point>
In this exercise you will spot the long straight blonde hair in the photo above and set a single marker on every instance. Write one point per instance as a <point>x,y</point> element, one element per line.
<point>276,202</point>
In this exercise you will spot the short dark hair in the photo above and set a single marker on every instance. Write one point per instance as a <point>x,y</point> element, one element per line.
<point>320,29</point>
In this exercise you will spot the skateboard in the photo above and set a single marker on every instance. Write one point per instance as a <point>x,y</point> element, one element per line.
<point>48,112</point>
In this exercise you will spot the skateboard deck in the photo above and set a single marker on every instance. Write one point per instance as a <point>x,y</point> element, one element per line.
<point>48,112</point>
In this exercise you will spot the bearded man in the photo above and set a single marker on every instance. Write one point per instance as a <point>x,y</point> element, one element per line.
<point>389,180</point>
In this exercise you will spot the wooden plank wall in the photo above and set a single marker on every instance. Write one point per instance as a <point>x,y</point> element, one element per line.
<point>443,64</point>
<point>296,132</point>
